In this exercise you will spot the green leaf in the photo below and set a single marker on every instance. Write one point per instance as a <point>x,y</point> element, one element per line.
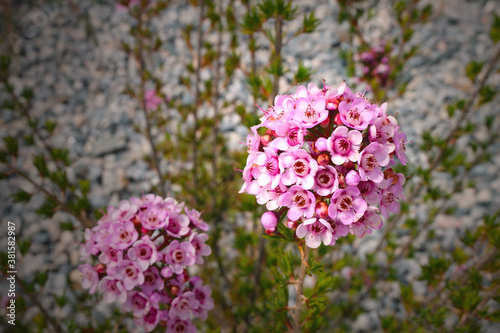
<point>27,93</point>
<point>41,277</point>
<point>24,246</point>
<point>310,23</point>
<point>11,145</point>
<point>495,29</point>
<point>50,126</point>
<point>48,208</point>
<point>60,178</point>
<point>4,62</point>
<point>303,73</point>
<point>84,186</point>
<point>486,94</point>
<point>21,196</point>
<point>41,165</point>
<point>473,69</point>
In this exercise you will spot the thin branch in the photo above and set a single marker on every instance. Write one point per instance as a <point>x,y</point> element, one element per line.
<point>299,285</point>
<point>46,315</point>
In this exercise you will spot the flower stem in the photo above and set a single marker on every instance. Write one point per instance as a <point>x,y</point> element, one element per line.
<point>295,313</point>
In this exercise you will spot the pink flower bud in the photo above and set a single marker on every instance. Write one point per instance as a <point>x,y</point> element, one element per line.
<point>292,224</point>
<point>321,144</point>
<point>322,209</point>
<point>337,119</point>
<point>352,178</point>
<point>265,139</point>
<point>332,104</point>
<point>269,221</point>
<point>323,159</point>
<point>100,268</point>
<point>325,123</point>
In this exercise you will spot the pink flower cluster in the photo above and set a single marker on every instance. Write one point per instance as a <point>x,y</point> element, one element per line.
<point>323,157</point>
<point>143,249</point>
<point>374,64</point>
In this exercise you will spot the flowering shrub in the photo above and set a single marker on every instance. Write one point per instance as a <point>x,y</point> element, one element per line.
<point>323,159</point>
<point>374,65</point>
<point>143,249</point>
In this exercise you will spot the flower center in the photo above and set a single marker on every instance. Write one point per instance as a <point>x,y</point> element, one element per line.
<point>324,178</point>
<point>178,255</point>
<point>149,277</point>
<point>131,272</point>
<point>345,203</point>
<point>369,162</point>
<point>388,198</point>
<point>342,145</point>
<point>292,137</point>
<point>301,167</point>
<point>317,228</point>
<point>272,166</point>
<point>139,301</point>
<point>145,252</point>
<point>354,117</point>
<point>300,200</point>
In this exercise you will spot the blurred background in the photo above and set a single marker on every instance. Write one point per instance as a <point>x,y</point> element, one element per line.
<point>102,101</point>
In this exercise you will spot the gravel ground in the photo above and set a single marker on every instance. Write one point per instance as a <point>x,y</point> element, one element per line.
<point>71,57</point>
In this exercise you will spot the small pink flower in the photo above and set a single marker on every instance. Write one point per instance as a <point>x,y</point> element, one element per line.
<point>112,289</point>
<point>347,205</point>
<point>125,211</point>
<point>90,277</point>
<point>298,168</point>
<point>355,114</point>
<point>154,218</point>
<point>123,235</point>
<point>400,140</point>
<point>178,226</point>
<point>152,100</point>
<point>315,231</point>
<point>137,302</point>
<point>201,249</point>
<point>149,320</point>
<point>326,181</point>
<point>389,197</point>
<point>300,201</point>
<point>177,325</point>
<point>194,217</point>
<point>182,305</point>
<point>371,159</point>
<point>179,255</point>
<point>290,135</point>
<point>127,271</point>
<point>344,145</point>
<point>143,252</point>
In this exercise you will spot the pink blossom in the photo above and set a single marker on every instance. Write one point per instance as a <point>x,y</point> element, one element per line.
<point>201,249</point>
<point>152,281</point>
<point>269,221</point>
<point>127,271</point>
<point>154,218</point>
<point>177,325</point>
<point>137,302</point>
<point>90,277</point>
<point>182,305</point>
<point>400,140</point>
<point>152,100</point>
<point>149,320</point>
<point>299,168</point>
<point>315,231</point>
<point>266,170</point>
<point>370,220</point>
<point>371,159</point>
<point>180,255</point>
<point>194,217</point>
<point>326,180</point>
<point>178,226</point>
<point>347,205</point>
<point>344,145</point>
<point>290,135</point>
<point>300,201</point>
<point>355,114</point>
<point>143,252</point>
<point>112,289</point>
<point>389,197</point>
